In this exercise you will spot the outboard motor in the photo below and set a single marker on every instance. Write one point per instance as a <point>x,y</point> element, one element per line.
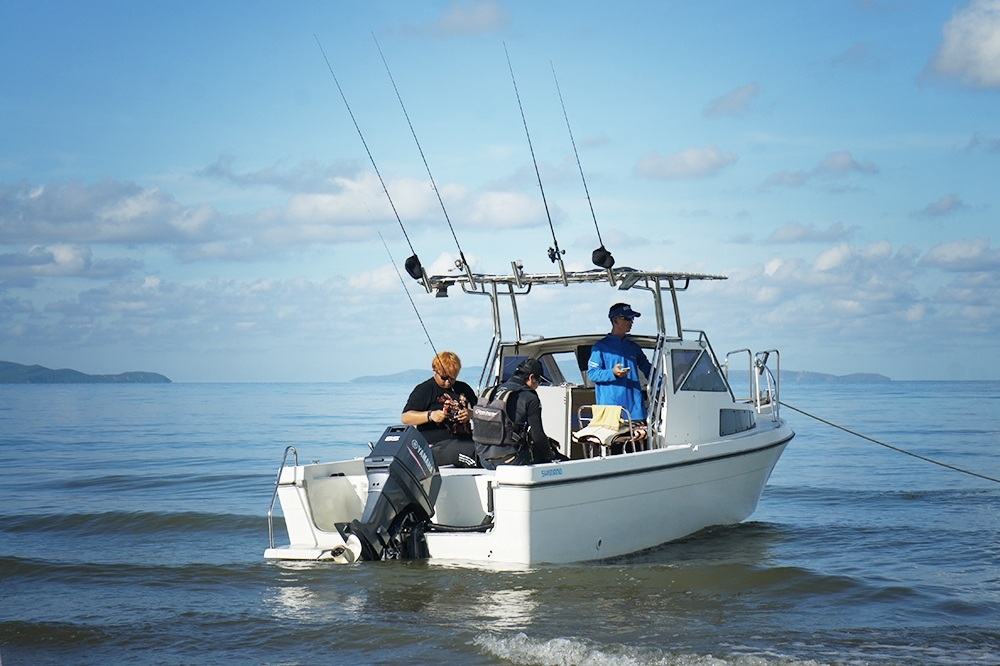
<point>403,484</point>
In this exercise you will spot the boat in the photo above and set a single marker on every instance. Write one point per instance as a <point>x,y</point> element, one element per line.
<point>713,435</point>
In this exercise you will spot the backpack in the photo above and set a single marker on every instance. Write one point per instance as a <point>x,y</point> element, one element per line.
<point>491,424</point>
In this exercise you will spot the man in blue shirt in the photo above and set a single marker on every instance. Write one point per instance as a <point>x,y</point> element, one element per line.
<point>614,364</point>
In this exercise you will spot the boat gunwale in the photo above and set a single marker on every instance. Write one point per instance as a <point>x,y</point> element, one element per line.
<point>638,471</point>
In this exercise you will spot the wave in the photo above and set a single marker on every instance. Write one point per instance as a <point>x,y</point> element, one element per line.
<point>908,647</point>
<point>158,481</point>
<point>521,649</point>
<point>132,523</point>
<point>26,634</point>
<point>24,570</point>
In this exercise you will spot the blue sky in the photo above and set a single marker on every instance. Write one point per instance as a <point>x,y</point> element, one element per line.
<point>183,191</point>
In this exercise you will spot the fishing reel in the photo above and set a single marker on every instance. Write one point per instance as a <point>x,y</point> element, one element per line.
<point>555,255</point>
<point>413,267</point>
<point>602,258</point>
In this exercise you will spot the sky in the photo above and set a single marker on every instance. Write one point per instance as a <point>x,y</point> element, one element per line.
<point>183,189</point>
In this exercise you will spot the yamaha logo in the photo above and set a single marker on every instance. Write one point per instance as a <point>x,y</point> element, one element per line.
<point>422,452</point>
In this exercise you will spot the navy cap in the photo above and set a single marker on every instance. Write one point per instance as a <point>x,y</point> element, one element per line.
<point>532,366</point>
<point>622,310</point>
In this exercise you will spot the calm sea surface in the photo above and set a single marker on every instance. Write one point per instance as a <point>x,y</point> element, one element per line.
<point>133,522</point>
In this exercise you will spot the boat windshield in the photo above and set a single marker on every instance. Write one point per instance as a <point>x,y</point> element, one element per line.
<point>694,370</point>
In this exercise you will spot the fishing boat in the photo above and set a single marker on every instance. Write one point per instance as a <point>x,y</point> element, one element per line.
<point>705,454</point>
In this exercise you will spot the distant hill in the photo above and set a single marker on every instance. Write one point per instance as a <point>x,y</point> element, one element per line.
<point>739,378</point>
<point>469,376</point>
<point>855,378</point>
<point>16,373</point>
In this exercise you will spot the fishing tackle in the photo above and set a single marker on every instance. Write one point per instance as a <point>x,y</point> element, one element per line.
<point>601,256</point>
<point>414,305</point>
<point>462,264</point>
<point>555,254</point>
<point>412,263</point>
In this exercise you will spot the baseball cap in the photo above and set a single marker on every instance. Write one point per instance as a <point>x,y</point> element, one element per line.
<point>532,366</point>
<point>623,310</point>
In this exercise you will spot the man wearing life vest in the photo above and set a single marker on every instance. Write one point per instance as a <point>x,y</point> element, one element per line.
<point>528,443</point>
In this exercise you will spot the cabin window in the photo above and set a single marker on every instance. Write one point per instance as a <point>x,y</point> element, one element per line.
<point>732,421</point>
<point>568,366</point>
<point>556,366</point>
<point>510,364</point>
<point>694,370</point>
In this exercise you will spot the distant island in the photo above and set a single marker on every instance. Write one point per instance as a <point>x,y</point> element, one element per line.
<point>471,376</point>
<point>16,373</point>
<point>855,378</point>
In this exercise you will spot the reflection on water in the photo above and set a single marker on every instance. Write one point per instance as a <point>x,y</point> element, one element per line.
<point>507,610</point>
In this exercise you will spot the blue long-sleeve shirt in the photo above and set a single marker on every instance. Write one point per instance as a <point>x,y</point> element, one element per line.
<point>611,390</point>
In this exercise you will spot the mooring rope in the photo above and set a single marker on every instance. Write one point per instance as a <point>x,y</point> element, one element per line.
<point>889,446</point>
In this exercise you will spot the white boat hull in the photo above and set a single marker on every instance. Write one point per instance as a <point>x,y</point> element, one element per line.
<point>709,448</point>
<point>580,510</point>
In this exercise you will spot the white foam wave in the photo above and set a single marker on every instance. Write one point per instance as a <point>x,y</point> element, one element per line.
<point>521,649</point>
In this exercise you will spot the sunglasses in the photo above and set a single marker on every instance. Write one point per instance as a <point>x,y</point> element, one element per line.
<point>445,378</point>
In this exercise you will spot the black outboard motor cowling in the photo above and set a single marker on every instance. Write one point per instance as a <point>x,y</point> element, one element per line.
<point>403,484</point>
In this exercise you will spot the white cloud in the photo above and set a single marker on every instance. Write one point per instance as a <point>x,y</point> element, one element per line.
<point>970,46</point>
<point>859,54</point>
<point>308,176</point>
<point>23,268</point>
<point>833,258</point>
<point>786,179</point>
<point>836,165</point>
<point>474,17</point>
<point>106,212</point>
<point>979,141</point>
<point>964,256</point>
<point>688,163</point>
<point>734,103</point>
<point>946,205</point>
<point>842,163</point>
<point>795,232</point>
<point>503,210</point>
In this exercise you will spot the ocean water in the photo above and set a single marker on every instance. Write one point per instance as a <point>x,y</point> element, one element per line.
<point>133,522</point>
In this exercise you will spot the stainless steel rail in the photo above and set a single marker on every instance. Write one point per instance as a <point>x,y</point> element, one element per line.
<point>277,478</point>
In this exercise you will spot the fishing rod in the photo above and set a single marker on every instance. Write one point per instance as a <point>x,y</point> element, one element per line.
<point>555,254</point>
<point>414,305</point>
<point>601,256</point>
<point>462,264</point>
<point>412,264</point>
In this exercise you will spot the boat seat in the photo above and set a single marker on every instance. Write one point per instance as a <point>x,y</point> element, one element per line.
<point>607,428</point>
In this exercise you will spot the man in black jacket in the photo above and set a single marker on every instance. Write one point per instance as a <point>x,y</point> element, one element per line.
<point>525,411</point>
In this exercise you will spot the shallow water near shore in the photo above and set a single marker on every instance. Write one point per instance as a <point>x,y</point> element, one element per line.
<point>133,524</point>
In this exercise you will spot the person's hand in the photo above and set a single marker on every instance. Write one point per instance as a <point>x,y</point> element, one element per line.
<point>619,371</point>
<point>438,415</point>
<point>464,415</point>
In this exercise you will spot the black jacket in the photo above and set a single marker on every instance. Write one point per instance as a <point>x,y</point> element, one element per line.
<point>527,410</point>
